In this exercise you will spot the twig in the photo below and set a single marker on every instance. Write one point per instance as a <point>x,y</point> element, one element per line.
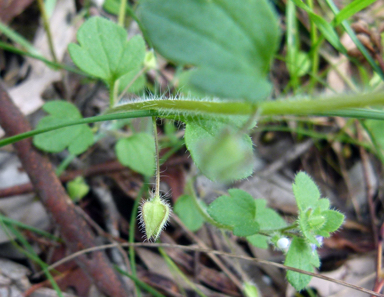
<point>209,251</point>
<point>75,231</point>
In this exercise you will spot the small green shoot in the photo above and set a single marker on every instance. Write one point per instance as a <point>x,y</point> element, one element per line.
<point>315,217</point>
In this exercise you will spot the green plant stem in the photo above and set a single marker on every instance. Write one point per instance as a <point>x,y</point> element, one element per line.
<point>112,86</point>
<point>54,65</point>
<point>132,228</point>
<point>339,105</point>
<point>19,39</point>
<point>157,157</point>
<point>47,29</point>
<point>64,164</point>
<point>123,5</point>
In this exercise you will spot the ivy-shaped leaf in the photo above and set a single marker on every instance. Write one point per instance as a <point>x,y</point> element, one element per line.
<point>76,138</point>
<point>137,152</point>
<point>236,211</point>
<point>267,218</point>
<point>220,154</point>
<point>231,42</point>
<point>104,50</point>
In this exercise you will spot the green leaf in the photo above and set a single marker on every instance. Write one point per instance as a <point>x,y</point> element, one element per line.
<point>298,63</point>
<point>323,204</point>
<point>137,152</point>
<point>220,154</point>
<point>77,188</point>
<point>136,83</point>
<point>237,211</point>
<point>376,129</point>
<point>267,218</point>
<point>333,220</point>
<point>258,240</point>
<point>231,42</point>
<point>76,138</point>
<point>306,230</point>
<point>306,192</point>
<point>351,9</point>
<point>188,213</point>
<point>104,50</point>
<point>300,256</point>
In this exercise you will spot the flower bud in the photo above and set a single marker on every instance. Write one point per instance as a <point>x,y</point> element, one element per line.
<point>283,243</point>
<point>150,60</point>
<point>154,215</point>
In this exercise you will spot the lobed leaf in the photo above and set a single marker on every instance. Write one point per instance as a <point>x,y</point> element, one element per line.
<point>76,138</point>
<point>104,51</point>
<point>188,213</point>
<point>237,211</point>
<point>137,152</point>
<point>266,217</point>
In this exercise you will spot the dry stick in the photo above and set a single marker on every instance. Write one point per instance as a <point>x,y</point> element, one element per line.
<point>74,229</point>
<point>208,251</point>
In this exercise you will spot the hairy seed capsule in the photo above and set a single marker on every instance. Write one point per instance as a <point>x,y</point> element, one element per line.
<point>154,217</point>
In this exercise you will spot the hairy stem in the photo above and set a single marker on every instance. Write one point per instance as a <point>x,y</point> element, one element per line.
<point>157,157</point>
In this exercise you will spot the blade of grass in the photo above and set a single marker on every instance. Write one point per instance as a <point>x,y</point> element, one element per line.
<point>315,135</point>
<point>132,228</point>
<point>10,221</point>
<point>54,65</point>
<point>174,267</point>
<point>17,38</point>
<point>324,27</point>
<point>351,9</point>
<point>140,283</point>
<point>356,41</point>
<point>30,253</point>
<point>378,148</point>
